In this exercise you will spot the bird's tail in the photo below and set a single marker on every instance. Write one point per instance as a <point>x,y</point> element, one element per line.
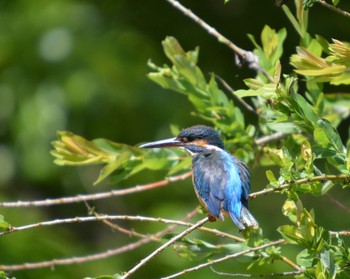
<point>248,219</point>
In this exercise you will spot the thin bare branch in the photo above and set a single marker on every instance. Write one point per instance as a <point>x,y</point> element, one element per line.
<point>289,262</point>
<point>269,275</point>
<point>116,227</point>
<point>98,256</point>
<point>231,256</point>
<point>321,178</point>
<point>116,217</point>
<point>76,260</point>
<point>333,8</point>
<point>270,138</point>
<point>97,196</point>
<point>163,247</point>
<point>211,30</point>
<point>334,234</point>
<point>240,100</point>
<point>247,56</point>
<point>93,219</point>
<point>338,203</point>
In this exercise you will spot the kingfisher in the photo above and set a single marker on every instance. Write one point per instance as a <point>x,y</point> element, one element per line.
<point>221,181</point>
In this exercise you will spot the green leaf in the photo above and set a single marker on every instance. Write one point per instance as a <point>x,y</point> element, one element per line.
<point>160,159</point>
<point>305,259</point>
<point>320,137</point>
<point>335,2</point>
<point>71,149</point>
<point>122,159</point>
<point>327,261</point>
<point>3,275</point>
<point>284,127</point>
<point>185,164</point>
<point>197,248</point>
<point>290,233</point>
<point>292,209</point>
<point>307,109</point>
<point>332,135</point>
<point>292,19</point>
<point>186,77</point>
<point>270,176</point>
<point>4,226</point>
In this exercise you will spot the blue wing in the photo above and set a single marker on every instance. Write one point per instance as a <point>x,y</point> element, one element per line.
<point>244,175</point>
<point>217,182</point>
<point>222,183</point>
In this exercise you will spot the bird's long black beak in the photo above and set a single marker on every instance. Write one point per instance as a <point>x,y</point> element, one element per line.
<point>173,142</point>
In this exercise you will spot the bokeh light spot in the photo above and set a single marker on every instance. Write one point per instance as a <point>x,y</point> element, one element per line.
<point>56,44</point>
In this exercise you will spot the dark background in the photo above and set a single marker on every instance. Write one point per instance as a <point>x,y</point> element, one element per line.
<point>81,66</point>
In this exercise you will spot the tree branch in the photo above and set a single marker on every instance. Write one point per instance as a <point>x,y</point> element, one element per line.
<point>76,260</point>
<point>97,196</point>
<point>240,100</point>
<point>163,247</point>
<point>112,252</point>
<point>338,203</point>
<point>321,178</point>
<point>346,233</point>
<point>269,275</point>
<point>289,262</point>
<point>231,256</point>
<point>333,8</point>
<point>247,56</point>
<point>270,138</point>
<point>117,217</point>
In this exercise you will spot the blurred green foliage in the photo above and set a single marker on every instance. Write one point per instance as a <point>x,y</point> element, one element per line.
<point>81,66</point>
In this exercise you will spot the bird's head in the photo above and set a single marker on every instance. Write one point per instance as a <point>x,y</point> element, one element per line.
<point>195,139</point>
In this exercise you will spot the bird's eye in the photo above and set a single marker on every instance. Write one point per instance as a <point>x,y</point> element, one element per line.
<point>184,139</point>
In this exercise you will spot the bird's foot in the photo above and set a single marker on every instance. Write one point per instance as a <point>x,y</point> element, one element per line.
<point>211,218</point>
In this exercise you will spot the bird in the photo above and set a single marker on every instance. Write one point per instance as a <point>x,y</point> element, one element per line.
<point>221,181</point>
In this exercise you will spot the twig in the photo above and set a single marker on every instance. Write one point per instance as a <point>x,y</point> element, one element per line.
<point>163,247</point>
<point>346,233</point>
<point>338,203</point>
<point>76,260</point>
<point>269,275</point>
<point>116,227</point>
<point>240,100</point>
<point>267,139</point>
<point>300,181</point>
<point>90,219</point>
<point>108,253</point>
<point>231,256</point>
<point>117,217</point>
<point>333,8</point>
<point>249,57</point>
<point>289,262</point>
<point>97,196</point>
<point>211,30</point>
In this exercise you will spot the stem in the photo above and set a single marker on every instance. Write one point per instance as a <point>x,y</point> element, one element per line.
<point>333,8</point>
<point>321,178</point>
<point>163,247</point>
<point>231,256</point>
<point>97,196</point>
